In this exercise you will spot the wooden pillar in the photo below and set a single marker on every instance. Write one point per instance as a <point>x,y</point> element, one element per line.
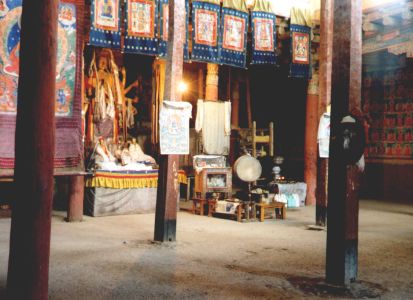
<point>325,54</point>
<point>249,108</point>
<point>76,193</point>
<point>342,233</point>
<point>168,188</point>
<point>212,79</point>
<point>35,139</point>
<point>235,105</point>
<point>201,87</point>
<point>310,148</point>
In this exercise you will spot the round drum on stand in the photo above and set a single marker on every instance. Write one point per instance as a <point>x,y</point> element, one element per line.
<point>248,169</point>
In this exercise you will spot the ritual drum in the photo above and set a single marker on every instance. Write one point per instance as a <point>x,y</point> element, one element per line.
<point>247,168</point>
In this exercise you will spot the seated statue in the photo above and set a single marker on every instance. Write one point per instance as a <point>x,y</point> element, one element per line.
<point>102,152</point>
<point>137,155</point>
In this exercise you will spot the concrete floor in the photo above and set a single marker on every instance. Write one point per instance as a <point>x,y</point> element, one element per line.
<point>115,258</point>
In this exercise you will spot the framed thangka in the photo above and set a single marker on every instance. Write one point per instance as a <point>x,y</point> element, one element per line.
<point>233,37</point>
<point>105,25</point>
<point>263,38</point>
<point>141,27</point>
<point>205,22</point>
<point>300,51</point>
<point>174,127</point>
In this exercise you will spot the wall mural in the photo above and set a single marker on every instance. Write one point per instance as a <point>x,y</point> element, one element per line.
<point>10,14</point>
<point>387,97</point>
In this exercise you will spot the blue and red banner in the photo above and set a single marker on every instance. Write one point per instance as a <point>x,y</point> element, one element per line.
<point>141,27</point>
<point>205,29</point>
<point>105,23</point>
<point>300,51</point>
<point>233,37</point>
<point>263,38</point>
<point>163,7</point>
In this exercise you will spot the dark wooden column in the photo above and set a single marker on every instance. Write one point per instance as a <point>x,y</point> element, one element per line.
<point>325,54</point>
<point>168,188</point>
<point>76,194</point>
<point>342,233</point>
<point>35,139</point>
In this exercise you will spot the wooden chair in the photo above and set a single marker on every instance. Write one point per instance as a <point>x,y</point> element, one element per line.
<point>262,137</point>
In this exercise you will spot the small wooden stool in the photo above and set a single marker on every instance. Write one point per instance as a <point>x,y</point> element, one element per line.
<point>198,205</point>
<point>272,205</point>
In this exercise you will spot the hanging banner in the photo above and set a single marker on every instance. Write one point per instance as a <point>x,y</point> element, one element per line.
<point>186,46</point>
<point>69,146</point>
<point>233,37</point>
<point>174,127</point>
<point>205,27</point>
<point>105,25</point>
<point>263,38</point>
<point>300,51</point>
<point>141,27</point>
<point>300,34</point>
<point>163,27</point>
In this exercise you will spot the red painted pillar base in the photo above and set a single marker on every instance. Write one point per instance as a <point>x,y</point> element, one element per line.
<point>310,149</point>
<point>76,194</point>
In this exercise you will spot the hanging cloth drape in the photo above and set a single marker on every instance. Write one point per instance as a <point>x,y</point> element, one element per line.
<point>141,27</point>
<point>214,119</point>
<point>300,30</point>
<point>205,29</point>
<point>163,8</point>
<point>105,23</point>
<point>263,33</point>
<point>233,33</point>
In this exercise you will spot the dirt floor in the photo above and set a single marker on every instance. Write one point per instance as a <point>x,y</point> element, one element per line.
<point>213,258</point>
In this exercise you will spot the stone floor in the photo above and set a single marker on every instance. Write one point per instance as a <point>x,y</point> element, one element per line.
<point>215,258</point>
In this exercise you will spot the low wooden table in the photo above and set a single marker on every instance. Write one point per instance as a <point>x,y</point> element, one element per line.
<point>261,207</point>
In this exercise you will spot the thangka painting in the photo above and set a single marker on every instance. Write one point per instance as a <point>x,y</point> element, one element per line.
<point>163,27</point>
<point>233,37</point>
<point>387,98</point>
<point>205,23</point>
<point>263,38</point>
<point>69,149</point>
<point>141,27</point>
<point>174,127</point>
<point>10,13</point>
<point>66,60</point>
<point>300,51</point>
<point>105,29</point>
